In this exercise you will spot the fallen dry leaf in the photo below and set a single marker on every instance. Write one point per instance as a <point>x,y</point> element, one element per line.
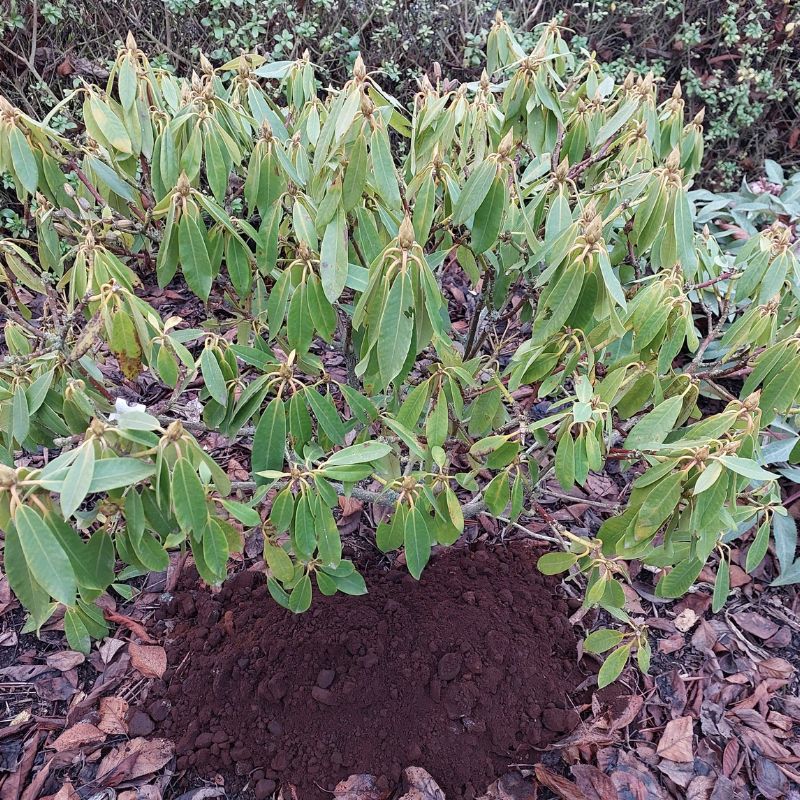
<point>55,688</point>
<point>113,711</point>
<point>136,627</point>
<point>594,783</point>
<point>204,793</point>
<point>776,668</point>
<point>65,660</point>
<point>511,786</point>
<point>563,787</point>
<point>419,785</point>
<point>110,648</point>
<point>134,759</point>
<point>8,638</point>
<point>686,620</point>
<point>676,741</point>
<point>149,660</point>
<point>700,788</point>
<point>362,787</point>
<point>756,624</point>
<point>66,792</point>
<point>771,782</point>
<point>77,736</point>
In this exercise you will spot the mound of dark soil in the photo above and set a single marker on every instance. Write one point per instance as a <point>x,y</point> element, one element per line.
<point>463,673</point>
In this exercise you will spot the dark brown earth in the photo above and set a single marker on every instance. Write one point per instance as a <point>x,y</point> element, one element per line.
<point>464,673</point>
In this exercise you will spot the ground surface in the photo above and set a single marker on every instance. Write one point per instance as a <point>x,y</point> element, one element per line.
<point>716,719</point>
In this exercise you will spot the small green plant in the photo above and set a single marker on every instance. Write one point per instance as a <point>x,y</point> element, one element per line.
<point>325,225</point>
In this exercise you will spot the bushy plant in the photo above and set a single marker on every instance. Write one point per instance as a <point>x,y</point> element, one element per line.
<point>326,226</point>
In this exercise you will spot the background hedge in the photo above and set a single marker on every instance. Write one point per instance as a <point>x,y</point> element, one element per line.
<point>736,58</point>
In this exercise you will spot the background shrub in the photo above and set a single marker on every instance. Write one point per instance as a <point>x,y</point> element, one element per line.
<point>733,57</point>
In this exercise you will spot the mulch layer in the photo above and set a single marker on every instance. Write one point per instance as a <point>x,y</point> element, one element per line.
<point>464,673</point>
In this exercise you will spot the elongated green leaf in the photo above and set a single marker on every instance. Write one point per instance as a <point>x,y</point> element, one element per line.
<point>613,666</point>
<point>269,440</point>
<point>23,160</point>
<point>359,454</point>
<point>114,473</point>
<point>395,332</point>
<point>554,563</point>
<point>189,498</point>
<point>48,563</point>
<point>300,598</point>
<point>78,480</point>
<point>417,542</point>
<point>474,192</point>
<point>654,427</point>
<point>194,255</point>
<point>213,377</point>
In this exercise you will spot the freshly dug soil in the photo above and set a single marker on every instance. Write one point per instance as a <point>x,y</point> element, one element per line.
<point>463,673</point>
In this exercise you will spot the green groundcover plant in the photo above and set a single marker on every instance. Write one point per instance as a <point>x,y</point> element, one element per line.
<point>308,221</point>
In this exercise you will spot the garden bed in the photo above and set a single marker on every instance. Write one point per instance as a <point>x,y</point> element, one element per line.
<point>464,673</point>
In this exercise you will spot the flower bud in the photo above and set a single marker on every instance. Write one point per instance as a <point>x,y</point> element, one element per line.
<point>405,236</point>
<point>506,143</point>
<point>359,70</point>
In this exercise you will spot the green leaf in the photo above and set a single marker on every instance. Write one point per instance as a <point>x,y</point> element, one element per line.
<point>333,264</point>
<point>565,461</point>
<point>437,423</point>
<point>77,635</point>
<point>213,377</point>
<point>48,563</point>
<point>352,584</point>
<point>356,174</point>
<point>245,514</point>
<point>601,640</point>
<point>661,500</point>
<point>20,578</point>
<point>110,125</point>
<point>383,165</point>
<point>417,542</point>
<point>622,115</point>
<point>748,468</point>
<point>278,561</point>
<point>329,542</point>
<point>78,480</point>
<point>304,530</point>
<point>758,549</point>
<point>489,216</point>
<point>282,511</point>
<point>194,255</point>
<point>395,329</point>
<point>358,454</point>
<point>722,585</point>
<point>454,508</point>
<point>784,532</point>
<point>389,535</point>
<point>555,563</point>
<point>20,415</point>
<point>654,427</point>
<point>269,439</point>
<point>22,159</point>
<point>680,579</point>
<point>189,499</point>
<point>474,192</point>
<point>114,473</point>
<point>300,598</point>
<point>497,493</point>
<point>613,666</point>
<point>326,414</point>
<point>215,548</point>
